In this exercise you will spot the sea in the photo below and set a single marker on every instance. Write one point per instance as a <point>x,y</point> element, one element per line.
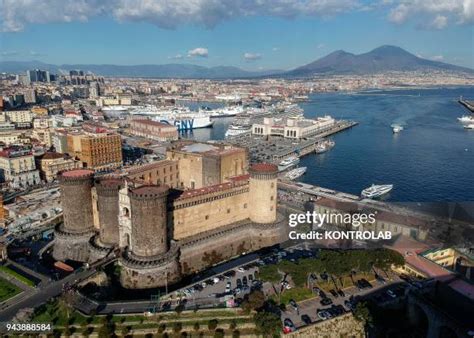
<point>431,160</point>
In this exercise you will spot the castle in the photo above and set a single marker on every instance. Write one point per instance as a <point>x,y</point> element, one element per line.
<point>165,220</point>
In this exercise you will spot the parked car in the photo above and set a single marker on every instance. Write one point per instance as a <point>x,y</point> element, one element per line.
<point>293,304</point>
<point>391,294</point>
<point>306,319</point>
<point>288,326</point>
<point>326,301</point>
<point>341,293</point>
<point>323,314</point>
<point>334,293</point>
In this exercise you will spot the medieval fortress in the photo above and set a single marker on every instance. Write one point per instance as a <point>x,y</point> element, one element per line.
<point>200,206</point>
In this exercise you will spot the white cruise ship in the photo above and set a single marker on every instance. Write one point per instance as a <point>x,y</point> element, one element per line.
<point>227,111</point>
<point>288,163</point>
<point>181,117</point>
<point>375,191</point>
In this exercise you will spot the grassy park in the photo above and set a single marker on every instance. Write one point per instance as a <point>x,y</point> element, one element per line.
<point>7,290</point>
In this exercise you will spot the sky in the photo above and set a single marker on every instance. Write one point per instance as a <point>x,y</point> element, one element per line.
<point>253,35</point>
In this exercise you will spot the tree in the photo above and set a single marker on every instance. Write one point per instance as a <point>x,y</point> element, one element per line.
<point>125,331</point>
<point>362,313</point>
<point>236,334</point>
<point>233,324</point>
<point>219,333</point>
<point>267,324</point>
<point>196,326</point>
<point>66,303</point>
<point>212,324</point>
<point>177,327</point>
<point>179,309</point>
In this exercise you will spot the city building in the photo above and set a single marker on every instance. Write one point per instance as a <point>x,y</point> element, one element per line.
<point>94,90</point>
<point>59,140</point>
<point>203,164</point>
<point>38,75</point>
<point>293,127</point>
<point>17,167</point>
<point>51,163</point>
<point>30,96</point>
<point>21,118</point>
<point>154,130</point>
<point>101,151</point>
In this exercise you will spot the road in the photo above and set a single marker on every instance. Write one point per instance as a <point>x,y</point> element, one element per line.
<point>42,294</point>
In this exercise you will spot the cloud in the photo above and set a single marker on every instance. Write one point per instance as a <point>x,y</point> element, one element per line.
<point>8,53</point>
<point>252,56</point>
<point>321,46</point>
<point>33,53</point>
<point>434,14</point>
<point>275,49</point>
<point>176,57</point>
<point>15,15</point>
<point>200,52</point>
<point>437,58</point>
<point>168,14</point>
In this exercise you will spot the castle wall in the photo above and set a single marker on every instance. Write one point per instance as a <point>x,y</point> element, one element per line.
<point>108,206</point>
<point>198,214</point>
<point>263,193</point>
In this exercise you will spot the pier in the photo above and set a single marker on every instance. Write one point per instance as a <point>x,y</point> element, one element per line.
<point>275,148</point>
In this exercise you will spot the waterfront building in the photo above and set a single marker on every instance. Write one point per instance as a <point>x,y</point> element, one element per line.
<point>154,130</point>
<point>292,127</point>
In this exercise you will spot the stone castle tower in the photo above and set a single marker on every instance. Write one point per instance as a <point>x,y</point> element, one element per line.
<point>72,237</point>
<point>263,193</point>
<point>150,259</point>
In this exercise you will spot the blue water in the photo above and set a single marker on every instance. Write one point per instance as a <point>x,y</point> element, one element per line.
<point>432,159</point>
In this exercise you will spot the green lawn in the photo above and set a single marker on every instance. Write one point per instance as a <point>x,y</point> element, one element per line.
<point>17,276</point>
<point>297,294</point>
<point>7,290</point>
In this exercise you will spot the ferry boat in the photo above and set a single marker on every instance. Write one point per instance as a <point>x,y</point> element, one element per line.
<point>235,130</point>
<point>375,191</point>
<point>181,117</point>
<point>295,173</point>
<point>466,119</point>
<point>288,163</point>
<point>227,111</point>
<point>396,128</point>
<point>324,146</point>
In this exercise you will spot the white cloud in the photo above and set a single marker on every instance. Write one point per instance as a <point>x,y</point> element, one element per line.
<point>437,58</point>
<point>169,14</point>
<point>321,46</point>
<point>252,56</point>
<point>33,53</point>
<point>8,53</point>
<point>432,13</point>
<point>176,57</point>
<point>200,51</point>
<point>162,13</point>
<point>439,22</point>
<point>275,49</point>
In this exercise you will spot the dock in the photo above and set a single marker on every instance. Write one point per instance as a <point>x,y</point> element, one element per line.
<point>274,149</point>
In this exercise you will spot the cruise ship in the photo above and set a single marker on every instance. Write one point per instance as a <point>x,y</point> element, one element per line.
<point>181,117</point>
<point>288,163</point>
<point>375,191</point>
<point>227,111</point>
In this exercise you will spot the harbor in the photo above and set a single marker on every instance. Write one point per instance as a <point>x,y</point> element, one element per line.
<point>274,149</point>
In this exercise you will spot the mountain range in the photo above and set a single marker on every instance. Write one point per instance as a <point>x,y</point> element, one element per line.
<point>381,59</point>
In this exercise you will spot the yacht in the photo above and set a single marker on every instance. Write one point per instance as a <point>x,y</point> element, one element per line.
<point>469,126</point>
<point>466,119</point>
<point>324,146</point>
<point>288,163</point>
<point>375,191</point>
<point>295,173</point>
<point>235,130</point>
<point>396,128</point>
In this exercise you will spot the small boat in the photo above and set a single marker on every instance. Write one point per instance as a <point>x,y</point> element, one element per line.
<point>295,173</point>
<point>324,146</point>
<point>288,163</point>
<point>375,191</point>
<point>63,266</point>
<point>469,126</point>
<point>396,128</point>
<point>466,119</point>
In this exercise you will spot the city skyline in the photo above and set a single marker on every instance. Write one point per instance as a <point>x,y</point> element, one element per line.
<point>253,37</point>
